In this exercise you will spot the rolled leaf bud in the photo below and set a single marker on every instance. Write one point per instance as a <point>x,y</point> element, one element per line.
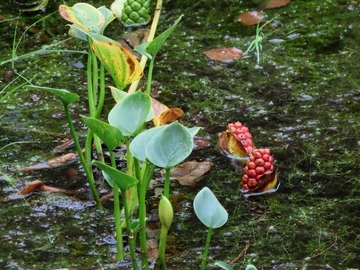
<point>166,212</point>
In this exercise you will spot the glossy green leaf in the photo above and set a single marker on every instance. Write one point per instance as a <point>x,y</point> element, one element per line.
<point>130,113</point>
<point>139,143</point>
<point>250,267</point>
<point>109,134</point>
<point>209,210</point>
<point>150,49</point>
<point>170,146</point>
<point>65,96</point>
<point>223,265</point>
<point>108,179</point>
<point>84,15</point>
<point>123,180</point>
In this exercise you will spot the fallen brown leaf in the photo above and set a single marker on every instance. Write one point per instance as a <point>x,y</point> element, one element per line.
<point>251,17</point>
<point>187,173</point>
<point>52,163</point>
<point>275,4</point>
<point>201,142</point>
<point>224,54</point>
<point>32,186</point>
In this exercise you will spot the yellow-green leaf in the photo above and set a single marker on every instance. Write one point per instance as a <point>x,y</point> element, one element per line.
<point>119,62</point>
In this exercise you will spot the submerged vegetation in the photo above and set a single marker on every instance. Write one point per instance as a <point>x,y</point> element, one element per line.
<point>301,101</point>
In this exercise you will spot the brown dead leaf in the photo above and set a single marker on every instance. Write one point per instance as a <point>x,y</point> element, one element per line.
<point>164,115</point>
<point>170,115</point>
<point>38,185</point>
<point>152,249</point>
<point>251,17</point>
<point>224,54</point>
<point>201,142</point>
<point>187,173</point>
<point>32,186</point>
<point>52,163</point>
<point>45,188</point>
<point>275,4</point>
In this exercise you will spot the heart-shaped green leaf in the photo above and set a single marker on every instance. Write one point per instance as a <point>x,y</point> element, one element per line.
<point>65,96</point>
<point>130,113</point>
<point>139,143</point>
<point>170,146</point>
<point>109,134</point>
<point>123,180</point>
<point>209,210</point>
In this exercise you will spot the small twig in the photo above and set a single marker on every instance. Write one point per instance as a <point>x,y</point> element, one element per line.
<point>322,252</point>
<point>242,253</point>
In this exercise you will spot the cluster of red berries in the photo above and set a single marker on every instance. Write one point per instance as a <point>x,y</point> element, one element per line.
<point>259,164</point>
<point>242,133</point>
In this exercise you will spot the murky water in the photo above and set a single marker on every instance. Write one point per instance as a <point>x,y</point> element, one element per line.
<point>302,102</point>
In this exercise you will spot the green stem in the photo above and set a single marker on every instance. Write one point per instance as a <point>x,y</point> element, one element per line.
<point>162,247</point>
<point>150,73</point>
<point>142,222</point>
<point>206,250</point>
<point>87,169</point>
<point>145,180</point>
<point>101,93</point>
<point>167,183</point>
<point>130,233</point>
<point>118,229</point>
<point>119,236</point>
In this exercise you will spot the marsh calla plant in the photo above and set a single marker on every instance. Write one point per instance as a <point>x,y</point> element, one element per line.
<point>211,213</point>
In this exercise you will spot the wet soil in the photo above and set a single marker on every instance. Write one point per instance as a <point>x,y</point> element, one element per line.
<point>302,101</point>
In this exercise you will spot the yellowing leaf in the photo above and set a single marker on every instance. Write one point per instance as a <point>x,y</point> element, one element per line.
<point>119,62</point>
<point>82,14</point>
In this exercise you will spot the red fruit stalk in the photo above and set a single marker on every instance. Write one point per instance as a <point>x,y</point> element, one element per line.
<point>241,133</point>
<point>259,172</point>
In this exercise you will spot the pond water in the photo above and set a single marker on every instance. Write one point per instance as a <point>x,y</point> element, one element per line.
<point>302,101</point>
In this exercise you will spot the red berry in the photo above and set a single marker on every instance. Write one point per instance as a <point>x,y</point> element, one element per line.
<point>252,183</point>
<point>267,166</point>
<point>251,165</point>
<point>251,173</point>
<point>245,179</point>
<point>257,154</point>
<point>259,162</point>
<point>260,170</point>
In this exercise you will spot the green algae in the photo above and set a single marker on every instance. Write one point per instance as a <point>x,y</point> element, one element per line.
<point>302,102</point>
